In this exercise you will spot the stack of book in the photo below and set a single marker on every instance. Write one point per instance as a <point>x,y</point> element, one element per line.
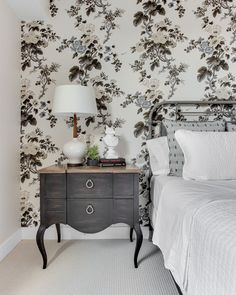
<point>119,162</point>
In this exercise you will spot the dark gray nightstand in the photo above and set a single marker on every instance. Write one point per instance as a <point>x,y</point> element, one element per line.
<point>89,199</point>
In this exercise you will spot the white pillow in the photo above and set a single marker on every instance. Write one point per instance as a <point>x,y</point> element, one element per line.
<point>208,155</point>
<point>159,155</point>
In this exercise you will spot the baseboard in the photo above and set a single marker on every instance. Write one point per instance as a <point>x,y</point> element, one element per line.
<point>7,246</point>
<point>68,233</point>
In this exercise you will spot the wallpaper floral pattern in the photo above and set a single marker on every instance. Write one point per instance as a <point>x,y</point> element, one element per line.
<point>134,54</point>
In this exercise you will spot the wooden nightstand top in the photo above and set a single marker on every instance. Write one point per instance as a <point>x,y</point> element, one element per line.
<point>53,169</point>
<point>89,169</point>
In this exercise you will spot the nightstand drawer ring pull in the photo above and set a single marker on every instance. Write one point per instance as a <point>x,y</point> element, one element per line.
<point>89,184</point>
<point>89,209</point>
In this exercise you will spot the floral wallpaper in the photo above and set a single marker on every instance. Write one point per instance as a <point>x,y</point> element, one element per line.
<point>134,54</point>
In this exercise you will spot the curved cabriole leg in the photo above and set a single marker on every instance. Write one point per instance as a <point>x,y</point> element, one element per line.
<point>131,234</point>
<point>58,232</point>
<point>40,243</point>
<point>139,241</point>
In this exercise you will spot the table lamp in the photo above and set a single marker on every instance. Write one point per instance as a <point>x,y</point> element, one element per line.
<point>79,101</point>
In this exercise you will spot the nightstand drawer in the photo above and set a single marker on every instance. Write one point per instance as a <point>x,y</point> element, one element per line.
<point>54,185</point>
<point>94,185</point>
<point>55,204</point>
<point>89,216</point>
<point>123,211</point>
<point>123,185</point>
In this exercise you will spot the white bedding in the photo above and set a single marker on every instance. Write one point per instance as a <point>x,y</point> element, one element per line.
<point>157,184</point>
<point>195,228</point>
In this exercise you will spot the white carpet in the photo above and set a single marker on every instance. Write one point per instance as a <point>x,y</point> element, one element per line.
<point>85,267</point>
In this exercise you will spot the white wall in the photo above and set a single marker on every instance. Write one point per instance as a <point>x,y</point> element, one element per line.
<point>26,11</point>
<point>9,125</point>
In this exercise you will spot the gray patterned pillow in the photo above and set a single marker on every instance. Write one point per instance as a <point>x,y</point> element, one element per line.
<point>176,156</point>
<point>231,126</point>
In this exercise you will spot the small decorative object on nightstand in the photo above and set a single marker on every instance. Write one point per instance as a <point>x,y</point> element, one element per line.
<point>111,141</point>
<point>77,100</point>
<point>89,199</point>
<point>92,155</point>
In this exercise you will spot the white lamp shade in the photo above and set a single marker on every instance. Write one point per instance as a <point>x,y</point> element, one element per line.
<point>74,99</point>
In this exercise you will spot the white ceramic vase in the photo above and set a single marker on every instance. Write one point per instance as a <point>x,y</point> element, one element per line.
<point>75,151</point>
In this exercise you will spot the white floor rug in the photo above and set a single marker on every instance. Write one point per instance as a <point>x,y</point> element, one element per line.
<point>85,267</point>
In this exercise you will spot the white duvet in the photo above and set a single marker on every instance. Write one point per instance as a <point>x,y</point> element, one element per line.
<point>195,228</point>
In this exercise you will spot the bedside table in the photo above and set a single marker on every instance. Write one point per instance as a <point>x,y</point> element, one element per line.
<point>89,199</point>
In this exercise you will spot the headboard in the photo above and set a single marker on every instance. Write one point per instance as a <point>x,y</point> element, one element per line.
<point>216,109</point>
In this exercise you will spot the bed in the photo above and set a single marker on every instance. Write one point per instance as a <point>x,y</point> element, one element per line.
<point>194,222</point>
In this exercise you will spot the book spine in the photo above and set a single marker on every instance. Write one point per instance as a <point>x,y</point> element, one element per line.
<point>112,164</point>
<point>112,161</point>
